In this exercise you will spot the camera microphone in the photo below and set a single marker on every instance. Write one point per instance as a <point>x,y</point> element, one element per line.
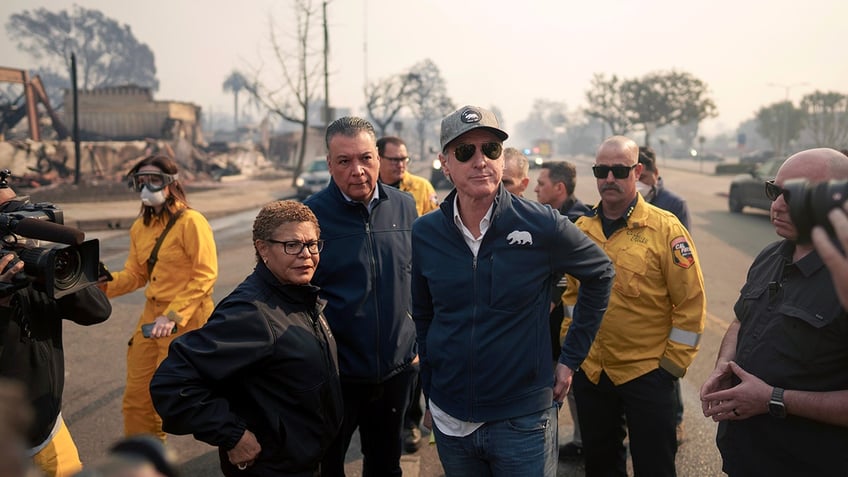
<point>44,230</point>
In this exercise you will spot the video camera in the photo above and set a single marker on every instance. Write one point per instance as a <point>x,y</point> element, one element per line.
<point>67,266</point>
<point>810,203</point>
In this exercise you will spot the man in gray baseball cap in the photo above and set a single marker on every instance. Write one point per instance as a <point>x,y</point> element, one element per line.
<point>467,118</point>
<point>483,266</point>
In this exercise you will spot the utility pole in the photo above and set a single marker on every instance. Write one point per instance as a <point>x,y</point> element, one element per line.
<point>77,152</point>
<point>326,72</point>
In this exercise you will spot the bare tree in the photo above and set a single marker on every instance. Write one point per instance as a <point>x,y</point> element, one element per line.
<point>108,53</point>
<point>606,104</point>
<point>386,98</point>
<point>428,99</point>
<point>301,73</point>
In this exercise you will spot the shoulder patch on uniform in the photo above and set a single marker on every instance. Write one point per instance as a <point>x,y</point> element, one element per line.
<point>681,252</point>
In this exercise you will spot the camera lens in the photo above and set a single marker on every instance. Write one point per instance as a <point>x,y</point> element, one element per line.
<point>66,268</point>
<point>810,203</point>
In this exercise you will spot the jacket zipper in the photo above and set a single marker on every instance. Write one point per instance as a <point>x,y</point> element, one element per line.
<point>372,263</point>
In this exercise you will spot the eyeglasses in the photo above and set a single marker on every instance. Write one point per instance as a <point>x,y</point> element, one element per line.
<point>619,172</point>
<point>464,152</point>
<point>773,191</point>
<point>295,247</point>
<point>154,181</point>
<point>397,159</point>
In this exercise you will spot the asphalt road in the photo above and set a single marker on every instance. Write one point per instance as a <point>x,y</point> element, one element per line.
<point>95,355</point>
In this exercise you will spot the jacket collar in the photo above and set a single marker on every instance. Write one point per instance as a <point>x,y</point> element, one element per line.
<point>636,215</point>
<point>305,294</point>
<point>337,193</point>
<point>502,201</point>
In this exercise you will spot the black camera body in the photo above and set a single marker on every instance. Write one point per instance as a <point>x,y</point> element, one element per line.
<point>809,204</point>
<point>66,266</point>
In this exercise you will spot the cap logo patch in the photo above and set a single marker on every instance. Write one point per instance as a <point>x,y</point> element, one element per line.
<point>682,253</point>
<point>470,116</point>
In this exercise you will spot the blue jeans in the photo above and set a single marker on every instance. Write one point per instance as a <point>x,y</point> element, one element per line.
<point>516,447</point>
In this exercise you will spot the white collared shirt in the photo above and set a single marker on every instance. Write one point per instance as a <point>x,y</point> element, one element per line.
<point>448,424</point>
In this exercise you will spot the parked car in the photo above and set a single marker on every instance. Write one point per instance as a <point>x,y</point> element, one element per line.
<point>756,157</point>
<point>313,179</point>
<point>749,189</point>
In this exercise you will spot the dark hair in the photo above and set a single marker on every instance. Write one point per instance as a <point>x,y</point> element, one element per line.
<point>147,449</point>
<point>648,158</point>
<point>278,213</point>
<point>176,193</point>
<point>349,126</point>
<point>381,143</point>
<point>562,171</point>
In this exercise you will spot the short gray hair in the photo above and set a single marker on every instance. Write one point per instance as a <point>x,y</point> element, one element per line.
<point>349,126</point>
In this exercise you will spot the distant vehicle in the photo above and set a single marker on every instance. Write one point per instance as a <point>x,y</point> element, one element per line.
<point>437,177</point>
<point>313,179</point>
<point>711,157</point>
<point>542,150</point>
<point>756,157</point>
<point>749,189</point>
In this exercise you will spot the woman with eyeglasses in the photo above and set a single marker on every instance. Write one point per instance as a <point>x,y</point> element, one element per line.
<point>179,272</point>
<point>260,381</point>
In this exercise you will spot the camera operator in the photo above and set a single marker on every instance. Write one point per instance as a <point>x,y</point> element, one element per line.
<point>31,352</point>
<point>780,386</point>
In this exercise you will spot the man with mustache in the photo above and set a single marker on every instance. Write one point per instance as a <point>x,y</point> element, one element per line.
<point>650,332</point>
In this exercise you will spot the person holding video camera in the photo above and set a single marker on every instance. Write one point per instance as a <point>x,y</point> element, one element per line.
<point>172,253</point>
<point>780,386</point>
<point>31,349</point>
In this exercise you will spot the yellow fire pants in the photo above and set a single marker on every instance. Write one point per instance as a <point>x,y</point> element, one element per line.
<point>59,457</point>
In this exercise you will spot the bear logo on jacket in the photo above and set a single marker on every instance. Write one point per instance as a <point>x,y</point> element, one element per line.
<point>519,237</point>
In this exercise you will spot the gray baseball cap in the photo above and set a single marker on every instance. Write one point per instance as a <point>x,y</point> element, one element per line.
<point>467,118</point>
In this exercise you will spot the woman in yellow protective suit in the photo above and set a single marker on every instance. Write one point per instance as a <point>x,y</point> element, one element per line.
<point>179,277</point>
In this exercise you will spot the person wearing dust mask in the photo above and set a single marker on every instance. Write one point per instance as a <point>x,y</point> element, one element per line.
<point>172,253</point>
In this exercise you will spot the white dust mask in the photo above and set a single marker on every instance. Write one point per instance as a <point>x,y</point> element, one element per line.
<point>643,188</point>
<point>152,199</point>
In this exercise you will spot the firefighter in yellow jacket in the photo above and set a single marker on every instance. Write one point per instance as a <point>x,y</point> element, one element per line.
<point>393,162</point>
<point>650,332</point>
<point>179,281</point>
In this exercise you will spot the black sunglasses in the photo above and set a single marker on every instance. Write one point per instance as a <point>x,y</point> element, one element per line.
<point>464,152</point>
<point>773,191</point>
<point>619,172</point>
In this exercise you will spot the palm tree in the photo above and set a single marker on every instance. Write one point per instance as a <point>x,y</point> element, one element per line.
<point>235,83</point>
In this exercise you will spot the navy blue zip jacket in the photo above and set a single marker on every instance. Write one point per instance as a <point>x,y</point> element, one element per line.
<point>483,332</point>
<point>364,275</point>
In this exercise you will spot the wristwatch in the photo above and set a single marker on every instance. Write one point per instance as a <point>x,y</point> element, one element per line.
<point>776,406</point>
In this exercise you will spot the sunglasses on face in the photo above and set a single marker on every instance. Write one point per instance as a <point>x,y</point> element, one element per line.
<point>464,152</point>
<point>619,172</point>
<point>154,181</point>
<point>773,191</point>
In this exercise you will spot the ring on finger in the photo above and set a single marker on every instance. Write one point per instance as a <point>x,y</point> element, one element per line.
<point>735,412</point>
<point>241,466</point>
